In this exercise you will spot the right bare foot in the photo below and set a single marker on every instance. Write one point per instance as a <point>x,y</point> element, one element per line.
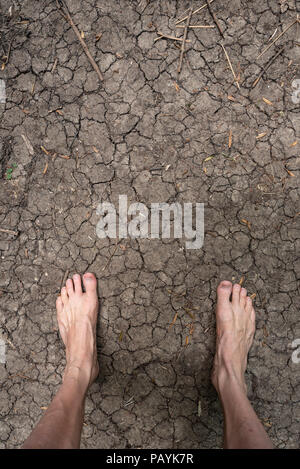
<point>235,330</point>
<point>77,317</point>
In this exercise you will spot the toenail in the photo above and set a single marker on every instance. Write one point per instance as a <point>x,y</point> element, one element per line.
<point>88,276</point>
<point>225,284</point>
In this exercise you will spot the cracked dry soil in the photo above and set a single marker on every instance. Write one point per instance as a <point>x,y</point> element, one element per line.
<point>147,134</point>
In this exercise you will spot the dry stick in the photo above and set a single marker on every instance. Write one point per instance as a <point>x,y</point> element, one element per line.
<point>281,34</point>
<point>84,46</point>
<point>112,255</point>
<point>194,12</point>
<point>184,40</point>
<point>166,36</point>
<point>9,231</point>
<point>266,67</point>
<point>195,26</point>
<point>214,18</point>
<point>64,279</point>
<point>8,53</point>
<point>231,68</point>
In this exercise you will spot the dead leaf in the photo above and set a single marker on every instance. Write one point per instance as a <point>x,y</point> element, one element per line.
<point>290,173</point>
<point>65,157</point>
<point>261,135</point>
<point>189,313</point>
<point>174,320</point>
<point>44,150</point>
<point>45,169</point>
<point>267,102</point>
<point>246,222</point>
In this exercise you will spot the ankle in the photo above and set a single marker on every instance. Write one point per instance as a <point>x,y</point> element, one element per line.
<point>226,379</point>
<point>78,374</point>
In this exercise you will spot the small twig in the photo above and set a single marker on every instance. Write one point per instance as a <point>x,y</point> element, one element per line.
<point>194,12</point>
<point>196,26</point>
<point>15,233</point>
<point>82,42</point>
<point>54,65</point>
<point>28,145</point>
<point>231,68</point>
<point>8,53</point>
<point>64,279</point>
<point>266,67</point>
<point>166,36</point>
<point>278,37</point>
<point>184,40</point>
<point>54,224</point>
<point>112,255</point>
<point>214,18</point>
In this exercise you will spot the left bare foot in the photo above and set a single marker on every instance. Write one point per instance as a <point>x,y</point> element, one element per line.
<point>77,317</point>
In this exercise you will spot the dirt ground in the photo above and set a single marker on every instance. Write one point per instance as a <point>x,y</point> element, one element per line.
<point>68,142</point>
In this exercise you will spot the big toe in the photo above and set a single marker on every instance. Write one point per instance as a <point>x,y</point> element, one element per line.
<point>90,283</point>
<point>224,291</point>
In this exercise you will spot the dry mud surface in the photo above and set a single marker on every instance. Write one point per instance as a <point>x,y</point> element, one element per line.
<point>148,134</point>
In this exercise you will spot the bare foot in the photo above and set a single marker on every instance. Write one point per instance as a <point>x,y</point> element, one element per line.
<point>235,330</point>
<point>77,317</point>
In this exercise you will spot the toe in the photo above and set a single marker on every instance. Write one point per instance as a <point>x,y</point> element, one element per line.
<point>90,283</point>
<point>253,315</point>
<point>236,294</point>
<point>224,291</point>
<point>77,283</point>
<point>70,286</point>
<point>64,296</point>
<point>243,297</point>
<point>59,305</point>
<point>248,305</point>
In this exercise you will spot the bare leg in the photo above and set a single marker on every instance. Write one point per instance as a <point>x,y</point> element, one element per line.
<point>235,330</point>
<point>61,425</point>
